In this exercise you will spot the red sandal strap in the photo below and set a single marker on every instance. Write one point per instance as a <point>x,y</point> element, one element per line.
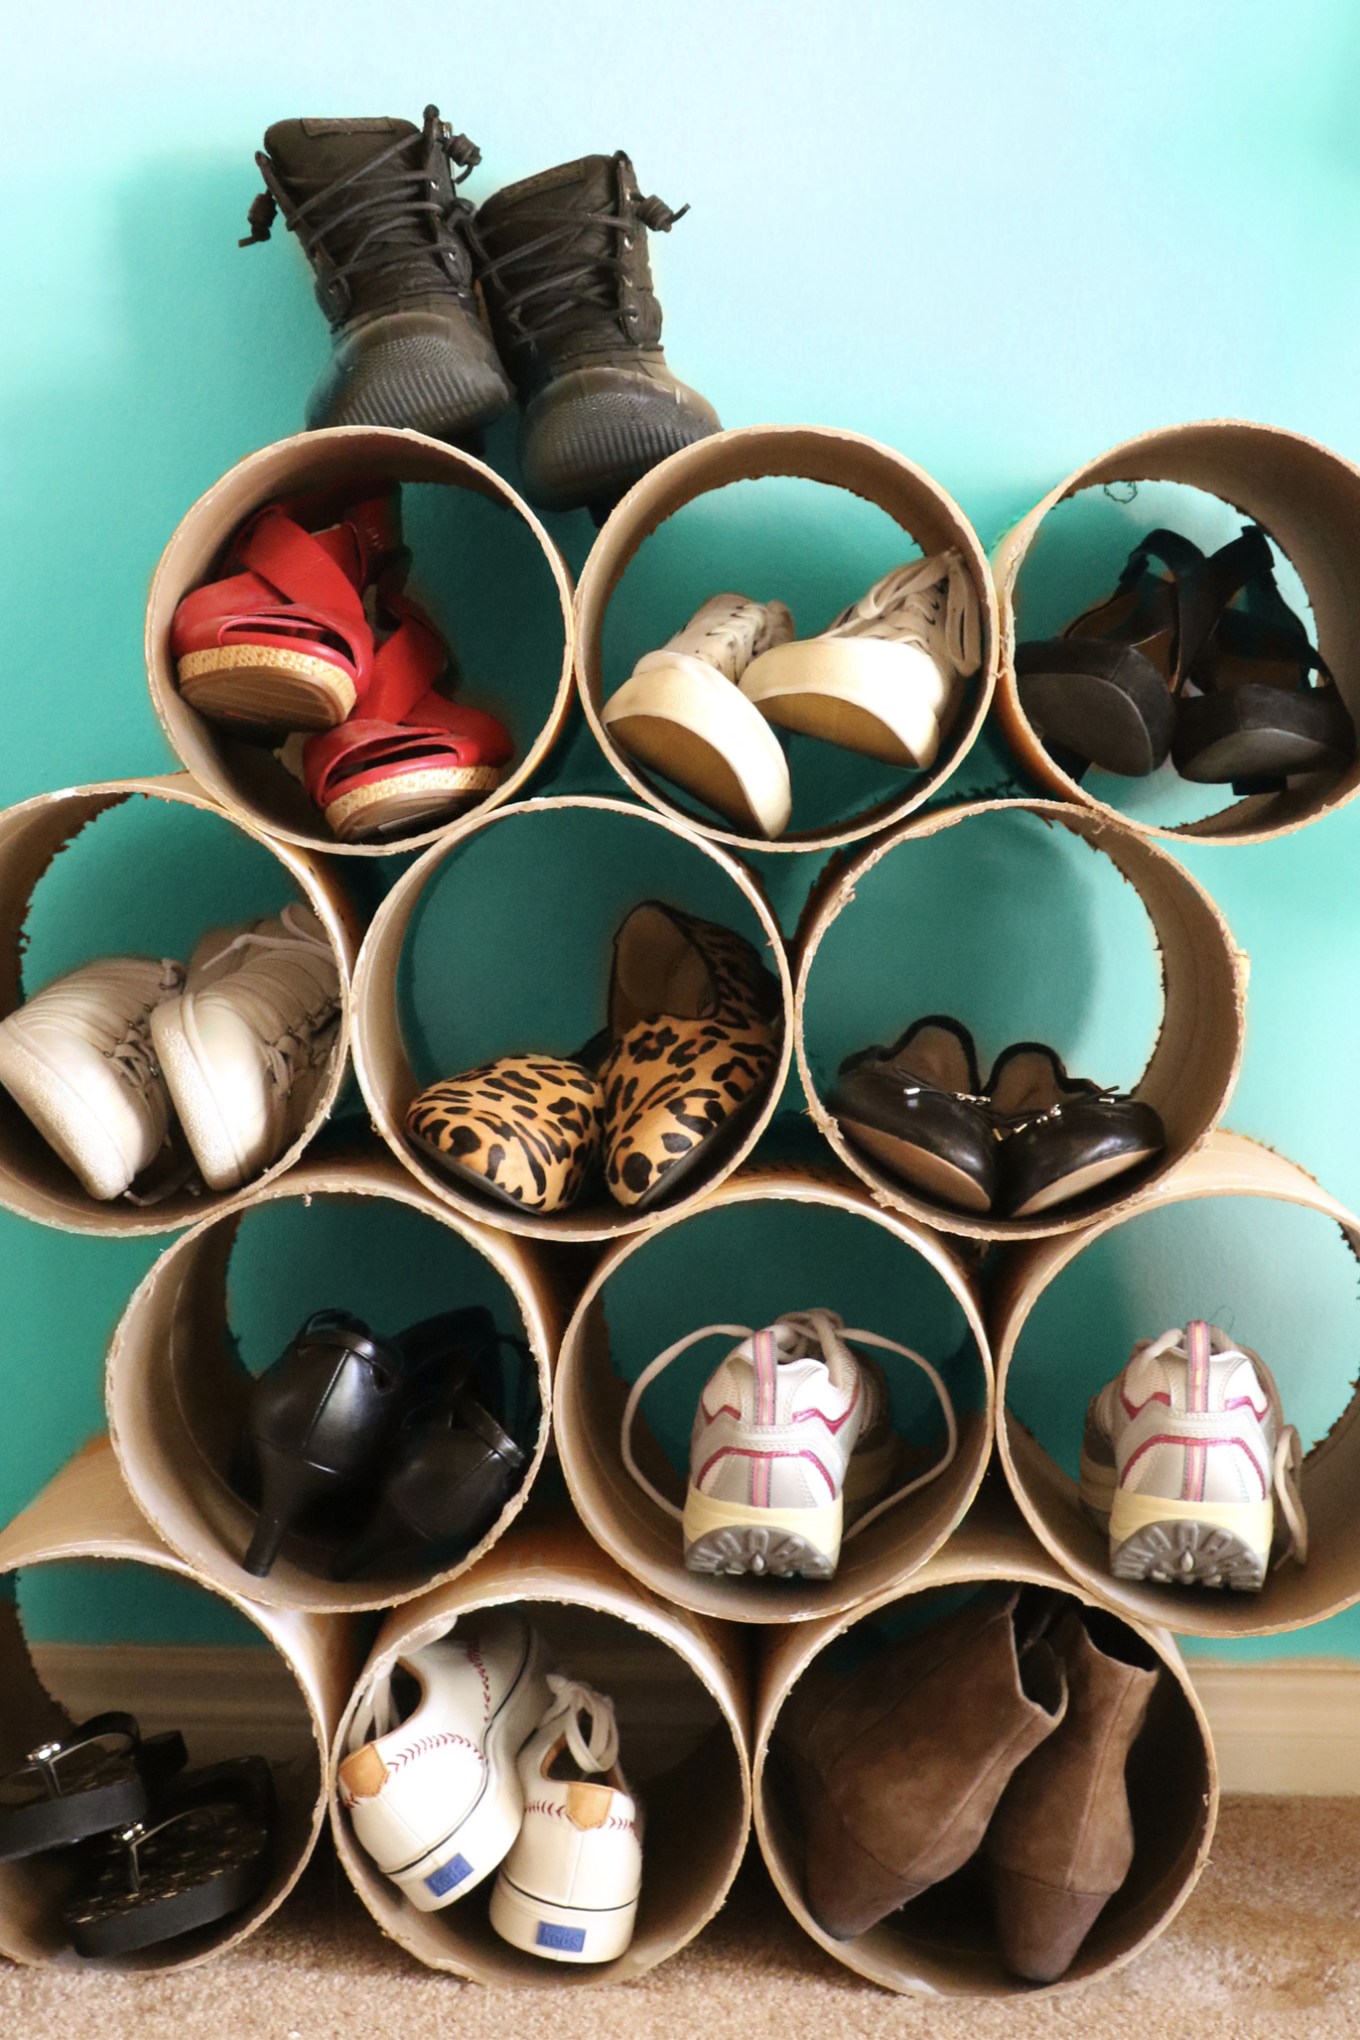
<point>447,733</point>
<point>296,563</point>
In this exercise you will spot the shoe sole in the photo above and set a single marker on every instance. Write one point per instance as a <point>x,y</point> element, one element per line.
<point>919,1168</point>
<point>1104,703</point>
<point>591,465</point>
<point>1080,1181</point>
<point>408,799</point>
<point>189,1080</point>
<point>63,1117</point>
<point>1191,1544</point>
<point>688,724</point>
<point>886,701</point>
<point>262,689</point>
<point>736,1538</point>
<point>560,1933</point>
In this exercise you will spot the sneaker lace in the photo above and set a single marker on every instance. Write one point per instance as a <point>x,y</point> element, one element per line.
<point>542,290</point>
<point>288,1041</point>
<point>1287,1462</point>
<point>573,1702</point>
<point>812,1329</point>
<point>126,1044</point>
<point>731,630</point>
<point>931,603</point>
<point>374,205</point>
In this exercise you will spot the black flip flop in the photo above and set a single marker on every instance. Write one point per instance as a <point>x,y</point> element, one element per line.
<point>202,1854</point>
<point>93,1778</point>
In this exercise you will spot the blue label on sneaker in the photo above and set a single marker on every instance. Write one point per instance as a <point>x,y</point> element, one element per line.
<point>451,1873</point>
<point>570,1940</point>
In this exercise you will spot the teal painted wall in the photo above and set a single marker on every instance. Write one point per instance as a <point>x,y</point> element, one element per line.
<point>999,237</point>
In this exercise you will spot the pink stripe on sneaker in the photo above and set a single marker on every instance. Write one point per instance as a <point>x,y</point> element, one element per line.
<point>765,1358</point>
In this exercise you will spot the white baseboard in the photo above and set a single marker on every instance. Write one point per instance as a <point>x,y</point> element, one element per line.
<point>1288,1726</point>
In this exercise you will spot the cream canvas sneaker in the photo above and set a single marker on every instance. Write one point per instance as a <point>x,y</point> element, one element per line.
<point>569,1887</point>
<point>1187,1459</point>
<point>430,1782</point>
<point>245,1045</point>
<point>682,715</point>
<point>792,1432</point>
<point>78,1061</point>
<point>886,677</point>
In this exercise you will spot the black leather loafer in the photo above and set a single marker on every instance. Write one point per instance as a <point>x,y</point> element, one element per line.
<point>1062,1137</point>
<point>916,1109</point>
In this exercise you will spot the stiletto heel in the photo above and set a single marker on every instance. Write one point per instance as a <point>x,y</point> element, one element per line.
<point>289,1484</point>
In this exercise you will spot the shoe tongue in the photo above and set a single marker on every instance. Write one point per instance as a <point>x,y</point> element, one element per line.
<point>314,152</point>
<point>591,183</point>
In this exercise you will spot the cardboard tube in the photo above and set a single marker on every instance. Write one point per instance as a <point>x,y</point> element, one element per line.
<point>33,1181</point>
<point>840,460</point>
<point>246,778</point>
<point>85,1513</point>
<point>1173,1788</point>
<point>389,1084</point>
<point>1308,499</point>
<point>678,1681</point>
<point>1293,1596</point>
<point>1194,1064</point>
<point>589,1405</point>
<point>177,1395</point>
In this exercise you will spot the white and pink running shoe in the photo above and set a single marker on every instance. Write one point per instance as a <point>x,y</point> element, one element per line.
<point>792,1433</point>
<point>1189,1464</point>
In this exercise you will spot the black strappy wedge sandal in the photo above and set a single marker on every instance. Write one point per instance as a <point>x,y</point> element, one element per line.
<point>1250,714</point>
<point>1104,692</point>
<point>202,1854</point>
<point>95,1777</point>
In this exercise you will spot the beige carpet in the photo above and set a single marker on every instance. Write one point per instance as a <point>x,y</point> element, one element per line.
<point>1269,1945</point>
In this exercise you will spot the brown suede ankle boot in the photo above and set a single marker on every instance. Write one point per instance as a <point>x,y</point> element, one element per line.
<point>900,1766</point>
<point>1061,1841</point>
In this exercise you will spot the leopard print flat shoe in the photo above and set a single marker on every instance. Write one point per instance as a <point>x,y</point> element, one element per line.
<point>695,1020</point>
<point>526,1129</point>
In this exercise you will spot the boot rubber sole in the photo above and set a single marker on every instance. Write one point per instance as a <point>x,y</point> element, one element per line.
<point>737,1538</point>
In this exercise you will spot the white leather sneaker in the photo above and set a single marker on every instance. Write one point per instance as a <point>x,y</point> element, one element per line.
<point>569,1887</point>
<point>681,714</point>
<point>1185,1460</point>
<point>78,1061</point>
<point>887,676</point>
<point>245,1045</point>
<point>434,1796</point>
<point>791,1432</point>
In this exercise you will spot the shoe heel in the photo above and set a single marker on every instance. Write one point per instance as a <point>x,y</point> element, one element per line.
<point>288,1483</point>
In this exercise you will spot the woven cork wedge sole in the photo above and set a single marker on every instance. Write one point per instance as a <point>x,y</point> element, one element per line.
<point>260,687</point>
<point>407,799</point>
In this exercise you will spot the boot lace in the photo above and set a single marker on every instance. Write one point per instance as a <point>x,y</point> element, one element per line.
<point>289,1040</point>
<point>813,1332</point>
<point>730,631</point>
<point>931,603</point>
<point>124,1043</point>
<point>573,1703</point>
<point>375,204</point>
<point>545,283</point>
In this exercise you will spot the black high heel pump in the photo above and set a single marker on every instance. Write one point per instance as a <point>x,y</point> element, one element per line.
<point>317,1421</point>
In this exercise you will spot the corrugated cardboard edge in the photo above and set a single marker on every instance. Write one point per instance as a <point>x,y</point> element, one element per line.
<point>548,1556</point>
<point>1313,513</point>
<point>85,1513</point>
<point>992,1545</point>
<point>845,460</point>
<point>292,466</point>
<point>380,1058</point>
<point>627,1523</point>
<point>1228,1165</point>
<point>32,835</point>
<point>141,1388</point>
<point>1195,1061</point>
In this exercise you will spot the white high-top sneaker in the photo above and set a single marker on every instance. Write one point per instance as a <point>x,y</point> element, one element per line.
<point>681,714</point>
<point>245,1045</point>
<point>1186,1458</point>
<point>569,1887</point>
<point>436,1798</point>
<point>886,677</point>
<point>77,1059</point>
<point>791,1431</point>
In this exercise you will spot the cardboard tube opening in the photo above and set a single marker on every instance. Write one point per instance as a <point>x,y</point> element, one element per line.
<point>838,460</point>
<point>33,1180</point>
<point>1308,499</point>
<point>516,912</point>
<point>246,778</point>
<point>680,1690</point>
<point>1193,1067</point>
<point>944,1943</point>
<point>1293,1596</point>
<point>730,1262</point>
<point>85,1514</point>
<point>177,1391</point>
